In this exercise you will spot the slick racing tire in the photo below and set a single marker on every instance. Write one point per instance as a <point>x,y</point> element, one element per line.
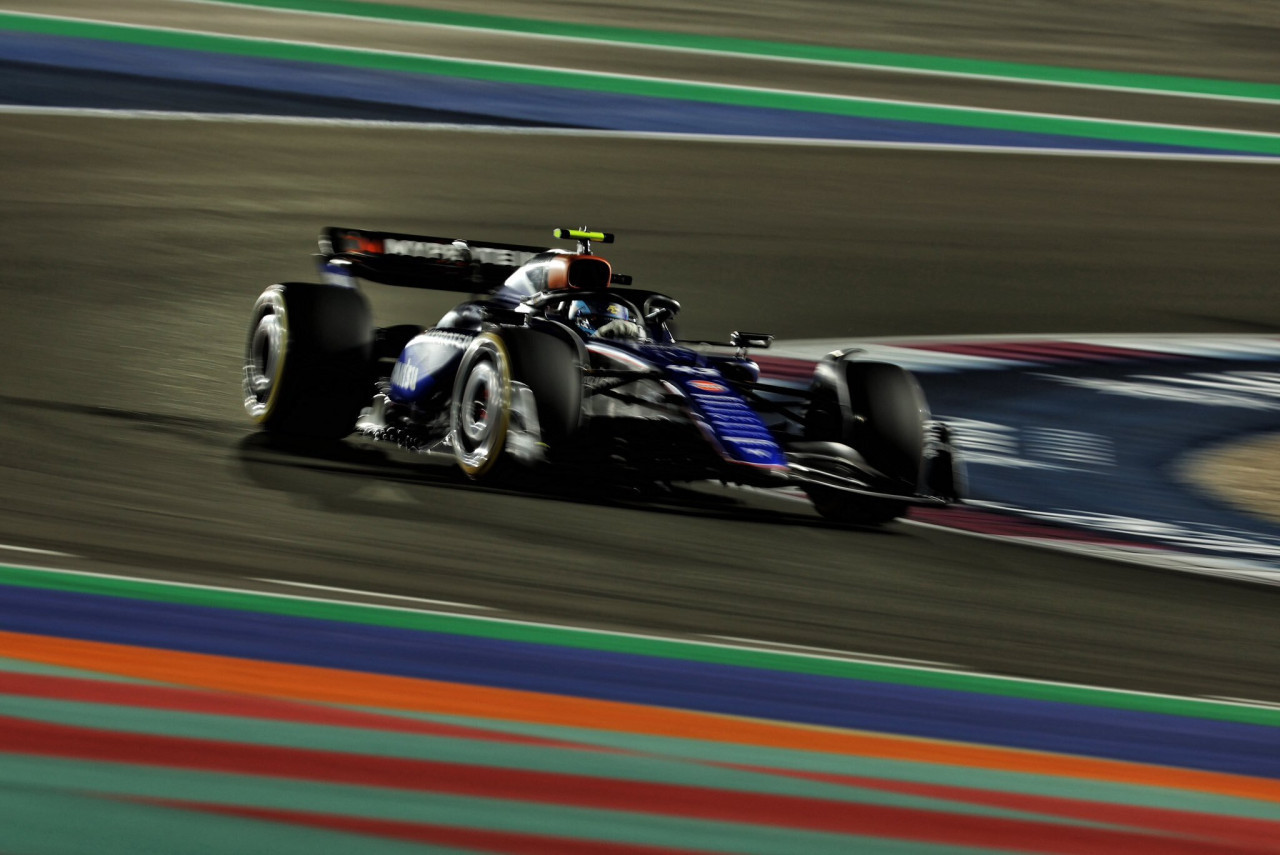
<point>548,360</point>
<point>487,430</point>
<point>480,413</point>
<point>891,433</point>
<point>307,360</point>
<point>879,410</point>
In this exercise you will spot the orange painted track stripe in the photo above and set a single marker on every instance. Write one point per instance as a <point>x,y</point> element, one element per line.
<point>336,686</point>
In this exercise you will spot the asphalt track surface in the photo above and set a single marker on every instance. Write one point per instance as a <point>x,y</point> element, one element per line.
<point>134,250</point>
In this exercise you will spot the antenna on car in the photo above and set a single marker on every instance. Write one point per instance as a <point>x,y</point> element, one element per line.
<point>583,237</point>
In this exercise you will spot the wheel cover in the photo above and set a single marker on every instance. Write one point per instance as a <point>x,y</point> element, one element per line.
<point>482,409</point>
<point>478,418</point>
<point>264,362</point>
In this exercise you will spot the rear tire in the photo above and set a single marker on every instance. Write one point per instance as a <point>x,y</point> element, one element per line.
<point>307,360</point>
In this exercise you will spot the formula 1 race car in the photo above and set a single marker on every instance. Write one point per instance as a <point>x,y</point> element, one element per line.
<point>555,362</point>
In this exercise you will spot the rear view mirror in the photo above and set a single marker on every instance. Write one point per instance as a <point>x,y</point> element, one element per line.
<point>659,308</point>
<point>750,339</point>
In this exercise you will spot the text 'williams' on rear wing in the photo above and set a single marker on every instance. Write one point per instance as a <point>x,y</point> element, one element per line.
<point>420,261</point>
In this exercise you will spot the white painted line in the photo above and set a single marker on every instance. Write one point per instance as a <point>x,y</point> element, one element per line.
<point>671,639</point>
<point>7,547</point>
<point>741,139</point>
<point>1245,702</point>
<point>372,594</point>
<point>1141,341</point>
<point>826,652</point>
<point>1175,344</point>
<point>764,57</point>
<point>228,589</point>
<point>911,358</point>
<point>685,83</point>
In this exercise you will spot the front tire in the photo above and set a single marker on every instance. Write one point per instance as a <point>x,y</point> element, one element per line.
<point>878,410</point>
<point>480,413</point>
<point>306,363</point>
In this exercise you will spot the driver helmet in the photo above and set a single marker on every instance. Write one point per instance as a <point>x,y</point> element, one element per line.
<point>605,319</point>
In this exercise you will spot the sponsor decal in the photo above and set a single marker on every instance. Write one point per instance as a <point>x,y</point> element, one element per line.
<point>427,249</point>
<point>405,375</point>
<point>708,386</point>
<point>358,242</point>
<point>455,252</point>
<point>457,339</point>
<point>424,358</point>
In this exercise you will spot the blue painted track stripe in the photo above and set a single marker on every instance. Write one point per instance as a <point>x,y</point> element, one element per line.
<point>910,710</point>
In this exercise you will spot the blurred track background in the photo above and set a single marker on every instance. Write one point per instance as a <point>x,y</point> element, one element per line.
<point>134,248</point>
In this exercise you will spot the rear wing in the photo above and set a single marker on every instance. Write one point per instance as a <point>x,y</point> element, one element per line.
<point>420,261</point>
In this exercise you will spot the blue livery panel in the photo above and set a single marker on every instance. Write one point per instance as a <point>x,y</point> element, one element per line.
<point>427,365</point>
<point>733,425</point>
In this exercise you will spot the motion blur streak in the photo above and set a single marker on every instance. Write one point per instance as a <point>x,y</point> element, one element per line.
<point>134,249</point>
<point>172,724</point>
<point>536,93</point>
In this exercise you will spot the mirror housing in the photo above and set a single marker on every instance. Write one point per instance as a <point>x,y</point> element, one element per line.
<point>750,339</point>
<point>659,308</point>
